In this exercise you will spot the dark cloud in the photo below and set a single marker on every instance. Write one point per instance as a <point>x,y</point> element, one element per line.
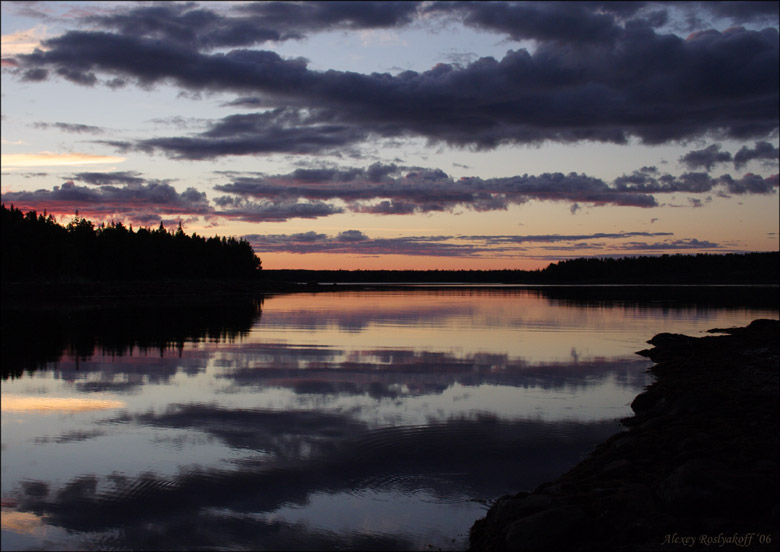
<point>744,11</point>
<point>695,182</point>
<point>762,150</point>
<point>85,78</point>
<point>544,21</point>
<point>639,83</point>
<point>351,236</point>
<point>670,245</point>
<point>356,242</point>
<point>271,211</point>
<point>282,130</point>
<point>252,102</point>
<point>384,189</point>
<point>186,24</point>
<point>202,28</point>
<point>711,155</point>
<point>750,184</point>
<point>705,158</point>
<point>141,203</point>
<point>109,178</point>
<point>398,208</point>
<point>374,190</point>
<point>550,238</point>
<point>70,127</point>
<point>318,16</point>
<point>116,83</point>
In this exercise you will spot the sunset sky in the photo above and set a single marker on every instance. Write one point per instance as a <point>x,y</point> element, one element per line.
<point>406,135</point>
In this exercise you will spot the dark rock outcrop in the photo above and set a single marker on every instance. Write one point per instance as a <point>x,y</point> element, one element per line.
<point>697,467</point>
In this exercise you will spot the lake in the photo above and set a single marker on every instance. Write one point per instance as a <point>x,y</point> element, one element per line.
<point>383,420</point>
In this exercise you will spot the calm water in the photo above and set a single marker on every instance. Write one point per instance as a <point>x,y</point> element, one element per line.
<point>347,420</point>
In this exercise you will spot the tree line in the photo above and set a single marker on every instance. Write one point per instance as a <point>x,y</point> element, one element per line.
<point>702,268</point>
<point>36,247</point>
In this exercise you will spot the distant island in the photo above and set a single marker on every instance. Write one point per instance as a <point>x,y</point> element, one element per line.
<point>37,249</point>
<point>702,268</point>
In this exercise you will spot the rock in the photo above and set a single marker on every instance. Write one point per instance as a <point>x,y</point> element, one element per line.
<point>624,442</point>
<point>615,466</point>
<point>513,508</point>
<point>694,443</point>
<point>552,529</point>
<point>691,486</point>
<point>710,487</point>
<point>647,401</point>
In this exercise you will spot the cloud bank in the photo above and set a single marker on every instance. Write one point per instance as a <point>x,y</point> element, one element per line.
<point>710,156</point>
<point>355,242</point>
<point>387,190</point>
<point>626,78</point>
<point>141,203</point>
<point>379,189</point>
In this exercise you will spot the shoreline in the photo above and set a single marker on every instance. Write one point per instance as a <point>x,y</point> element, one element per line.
<point>79,288</point>
<point>696,468</point>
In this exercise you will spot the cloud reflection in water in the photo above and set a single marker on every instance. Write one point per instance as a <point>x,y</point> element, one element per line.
<point>256,440</point>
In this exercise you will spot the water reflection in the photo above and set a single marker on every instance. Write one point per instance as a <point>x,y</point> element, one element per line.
<point>447,463</point>
<point>119,329</point>
<point>16,403</point>
<point>344,420</point>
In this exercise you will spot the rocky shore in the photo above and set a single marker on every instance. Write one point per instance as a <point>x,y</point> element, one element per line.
<point>697,467</point>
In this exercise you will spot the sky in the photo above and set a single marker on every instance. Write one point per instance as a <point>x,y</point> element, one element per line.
<point>401,135</point>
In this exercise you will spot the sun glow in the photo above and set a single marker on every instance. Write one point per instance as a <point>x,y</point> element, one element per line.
<point>16,403</point>
<point>49,159</point>
<point>23,42</point>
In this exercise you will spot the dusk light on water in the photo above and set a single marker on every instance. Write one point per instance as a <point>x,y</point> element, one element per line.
<point>321,421</point>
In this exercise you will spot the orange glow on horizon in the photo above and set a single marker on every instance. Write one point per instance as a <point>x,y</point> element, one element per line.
<point>17,403</point>
<point>325,261</point>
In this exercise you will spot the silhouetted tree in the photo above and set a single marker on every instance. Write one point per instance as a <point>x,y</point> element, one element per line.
<point>36,247</point>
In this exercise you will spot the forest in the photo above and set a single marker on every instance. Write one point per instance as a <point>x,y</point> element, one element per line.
<point>36,247</point>
<point>703,268</point>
